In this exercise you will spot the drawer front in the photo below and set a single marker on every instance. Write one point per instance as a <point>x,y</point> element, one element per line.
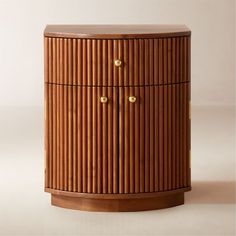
<point>95,62</point>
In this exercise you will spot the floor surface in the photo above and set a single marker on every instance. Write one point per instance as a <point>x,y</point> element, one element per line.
<point>209,210</point>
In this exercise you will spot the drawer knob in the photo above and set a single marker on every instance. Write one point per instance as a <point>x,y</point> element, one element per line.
<point>132,99</point>
<point>103,99</point>
<point>118,63</point>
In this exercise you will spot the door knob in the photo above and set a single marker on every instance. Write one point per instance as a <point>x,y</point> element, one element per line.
<point>103,99</point>
<point>118,62</point>
<point>132,99</point>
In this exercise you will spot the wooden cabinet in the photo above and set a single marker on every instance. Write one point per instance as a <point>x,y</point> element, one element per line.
<point>117,123</point>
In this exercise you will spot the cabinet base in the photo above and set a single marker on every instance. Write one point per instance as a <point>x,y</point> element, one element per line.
<point>141,203</point>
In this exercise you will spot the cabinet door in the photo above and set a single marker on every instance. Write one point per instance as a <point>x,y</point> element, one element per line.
<point>154,138</point>
<point>81,139</point>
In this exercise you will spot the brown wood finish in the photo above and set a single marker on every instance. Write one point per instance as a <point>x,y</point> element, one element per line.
<point>94,58</point>
<point>118,205</point>
<point>117,148</point>
<point>116,31</point>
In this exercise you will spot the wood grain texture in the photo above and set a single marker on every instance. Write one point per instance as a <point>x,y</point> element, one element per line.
<point>79,128</point>
<point>117,147</point>
<point>116,31</point>
<point>118,205</point>
<point>153,56</point>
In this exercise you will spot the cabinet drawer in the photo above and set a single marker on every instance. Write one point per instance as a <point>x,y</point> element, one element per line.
<point>93,62</point>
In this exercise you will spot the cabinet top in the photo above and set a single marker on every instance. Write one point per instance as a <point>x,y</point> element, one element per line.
<point>116,31</point>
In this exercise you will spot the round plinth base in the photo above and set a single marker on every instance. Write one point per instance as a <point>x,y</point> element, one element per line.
<point>117,202</point>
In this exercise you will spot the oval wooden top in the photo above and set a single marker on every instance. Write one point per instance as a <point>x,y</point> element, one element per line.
<point>116,31</point>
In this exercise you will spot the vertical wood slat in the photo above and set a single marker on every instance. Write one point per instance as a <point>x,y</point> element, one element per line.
<point>155,62</point>
<point>173,60</point>
<point>122,96</point>
<point>136,92</point>
<point>50,58</point>
<point>136,140</point>
<point>130,139</point>
<point>54,137</point>
<point>89,137</point>
<point>74,116</point>
<point>151,139</point>
<point>61,138</point>
<point>104,143</point>
<point>147,139</point>
<point>147,115</point>
<point>181,160</point>
<point>70,140</point>
<point>79,139</point>
<point>188,134</point>
<point>57,115</point>
<point>169,134</point>
<point>50,135</point>
<point>173,136</point>
<point>46,137</point>
<point>115,121</point>
<point>165,136</point>
<point>142,120</point>
<point>94,140</point>
<point>46,114</point>
<point>61,125</point>
<point>161,138</point>
<point>104,119</point>
<point>111,124</point>
<point>156,137</point>
<point>115,141</point>
<point>185,143</point>
<point>126,143</point>
<point>115,79</point>
<point>169,114</point>
<point>94,118</point>
<point>181,53</point>
<point>84,138</point>
<point>46,60</point>
<point>89,117</point>
<point>99,118</point>
<point>99,141</point>
<point>177,136</point>
<point>151,116</point>
<point>126,120</point>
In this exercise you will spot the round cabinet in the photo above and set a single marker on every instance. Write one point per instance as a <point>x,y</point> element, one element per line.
<point>117,116</point>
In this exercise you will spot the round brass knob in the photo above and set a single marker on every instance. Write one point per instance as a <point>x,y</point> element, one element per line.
<point>118,63</point>
<point>132,99</point>
<point>103,99</point>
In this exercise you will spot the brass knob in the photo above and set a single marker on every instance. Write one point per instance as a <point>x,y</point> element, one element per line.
<point>118,62</point>
<point>132,99</point>
<point>103,99</point>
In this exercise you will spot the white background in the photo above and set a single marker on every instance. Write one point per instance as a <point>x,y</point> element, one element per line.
<point>209,208</point>
<point>21,44</point>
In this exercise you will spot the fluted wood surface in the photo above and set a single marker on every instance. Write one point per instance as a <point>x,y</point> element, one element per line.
<point>91,61</point>
<point>117,147</point>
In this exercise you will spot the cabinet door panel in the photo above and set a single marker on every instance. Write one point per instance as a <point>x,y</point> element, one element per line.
<point>82,139</point>
<point>154,138</point>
